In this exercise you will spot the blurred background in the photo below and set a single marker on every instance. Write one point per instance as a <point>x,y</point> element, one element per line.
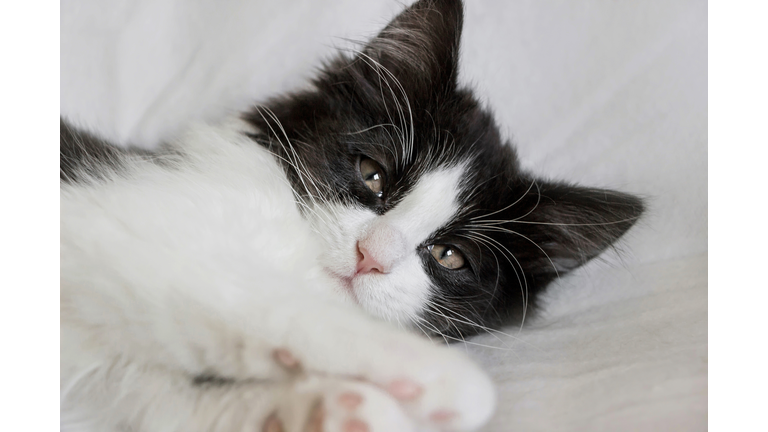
<point>604,93</point>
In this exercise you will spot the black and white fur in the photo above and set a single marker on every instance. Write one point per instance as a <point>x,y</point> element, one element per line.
<point>184,271</point>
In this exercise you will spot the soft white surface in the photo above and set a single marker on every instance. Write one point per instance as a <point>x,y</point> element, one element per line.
<point>605,93</point>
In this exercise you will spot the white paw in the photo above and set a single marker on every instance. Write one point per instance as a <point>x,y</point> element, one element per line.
<point>436,387</point>
<point>317,404</point>
<point>446,393</point>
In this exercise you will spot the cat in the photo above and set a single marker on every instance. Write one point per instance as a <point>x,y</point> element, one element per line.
<point>279,270</point>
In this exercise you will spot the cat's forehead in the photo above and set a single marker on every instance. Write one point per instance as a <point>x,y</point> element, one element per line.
<point>431,204</point>
<point>423,140</point>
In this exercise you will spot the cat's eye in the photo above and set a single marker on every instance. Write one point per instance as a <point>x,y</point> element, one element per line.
<point>447,256</point>
<point>373,176</point>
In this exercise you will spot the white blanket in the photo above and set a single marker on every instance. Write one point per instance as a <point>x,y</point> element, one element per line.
<point>610,94</point>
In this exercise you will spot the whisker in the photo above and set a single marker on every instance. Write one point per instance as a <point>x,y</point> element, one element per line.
<point>300,169</point>
<point>499,222</point>
<point>507,207</point>
<point>470,342</point>
<point>369,128</point>
<point>464,319</point>
<point>435,329</point>
<point>523,283</point>
<point>505,230</point>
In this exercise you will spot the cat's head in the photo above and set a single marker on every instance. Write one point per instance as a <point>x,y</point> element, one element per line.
<point>424,212</point>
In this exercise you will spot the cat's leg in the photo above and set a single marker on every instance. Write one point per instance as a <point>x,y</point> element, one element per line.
<point>123,396</point>
<point>119,395</point>
<point>439,388</point>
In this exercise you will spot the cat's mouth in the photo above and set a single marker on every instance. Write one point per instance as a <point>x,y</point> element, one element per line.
<point>346,283</point>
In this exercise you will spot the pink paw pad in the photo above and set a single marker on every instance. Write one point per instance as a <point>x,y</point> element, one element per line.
<point>404,389</point>
<point>272,424</point>
<point>286,359</point>
<point>442,416</point>
<point>350,400</point>
<point>355,425</point>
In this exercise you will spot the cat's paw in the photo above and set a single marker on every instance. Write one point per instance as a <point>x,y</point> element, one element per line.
<point>451,394</point>
<point>438,388</point>
<point>317,404</point>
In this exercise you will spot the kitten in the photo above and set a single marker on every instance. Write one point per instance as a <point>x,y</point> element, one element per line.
<point>242,277</point>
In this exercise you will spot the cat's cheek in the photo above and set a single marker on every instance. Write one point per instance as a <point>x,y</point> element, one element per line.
<point>399,296</point>
<point>339,236</point>
<point>321,280</point>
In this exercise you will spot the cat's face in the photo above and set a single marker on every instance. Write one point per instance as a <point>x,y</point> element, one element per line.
<point>424,213</point>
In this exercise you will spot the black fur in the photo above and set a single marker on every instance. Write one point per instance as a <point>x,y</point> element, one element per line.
<point>83,156</point>
<point>517,232</point>
<point>211,380</point>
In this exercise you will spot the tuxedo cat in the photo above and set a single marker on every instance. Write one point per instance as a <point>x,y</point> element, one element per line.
<point>279,271</point>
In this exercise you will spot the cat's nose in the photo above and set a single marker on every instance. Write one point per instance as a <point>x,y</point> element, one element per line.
<point>367,263</point>
<point>380,249</point>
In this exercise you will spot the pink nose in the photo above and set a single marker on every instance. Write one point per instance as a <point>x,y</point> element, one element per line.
<point>380,249</point>
<point>368,263</point>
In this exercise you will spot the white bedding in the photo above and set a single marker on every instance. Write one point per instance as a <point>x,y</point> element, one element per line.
<point>609,94</point>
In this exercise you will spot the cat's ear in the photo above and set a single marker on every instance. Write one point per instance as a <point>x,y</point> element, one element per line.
<point>419,48</point>
<point>573,224</point>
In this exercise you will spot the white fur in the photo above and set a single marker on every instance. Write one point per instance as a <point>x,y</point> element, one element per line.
<point>206,266</point>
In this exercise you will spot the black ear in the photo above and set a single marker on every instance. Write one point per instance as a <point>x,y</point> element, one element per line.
<point>574,224</point>
<point>419,48</point>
